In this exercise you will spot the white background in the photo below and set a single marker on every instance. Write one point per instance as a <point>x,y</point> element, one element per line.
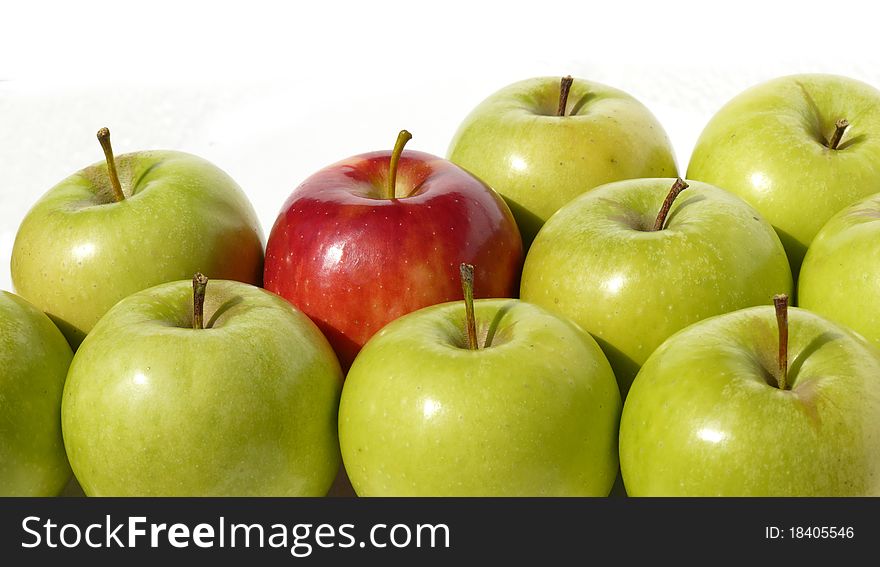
<point>271,93</point>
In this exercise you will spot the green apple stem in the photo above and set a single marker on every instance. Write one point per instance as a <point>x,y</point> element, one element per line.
<point>402,138</point>
<point>564,88</point>
<point>467,286</point>
<point>676,188</point>
<point>780,302</point>
<point>104,140</point>
<point>200,283</point>
<point>839,128</point>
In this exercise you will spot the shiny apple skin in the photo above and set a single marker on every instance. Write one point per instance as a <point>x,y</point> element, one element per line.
<point>354,261</point>
<point>534,414</point>
<point>703,418</point>
<point>769,146</point>
<point>77,252</point>
<point>34,358</point>
<point>596,262</point>
<point>840,277</point>
<point>246,406</point>
<point>538,161</point>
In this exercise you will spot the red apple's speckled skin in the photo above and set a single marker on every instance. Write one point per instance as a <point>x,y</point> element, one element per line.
<point>354,261</point>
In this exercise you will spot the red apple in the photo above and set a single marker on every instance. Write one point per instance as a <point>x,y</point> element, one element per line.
<point>379,235</point>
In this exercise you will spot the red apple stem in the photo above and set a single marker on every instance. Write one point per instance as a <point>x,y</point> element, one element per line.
<point>200,283</point>
<point>839,128</point>
<point>780,302</point>
<point>402,138</point>
<point>676,188</point>
<point>564,88</point>
<point>116,187</point>
<point>467,286</point>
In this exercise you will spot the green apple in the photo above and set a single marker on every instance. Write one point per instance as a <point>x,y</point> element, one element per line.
<point>33,365</point>
<point>237,397</point>
<point>717,410</point>
<point>604,261</point>
<point>533,411</point>
<point>542,142</point>
<point>840,277</point>
<point>127,224</point>
<point>798,149</point>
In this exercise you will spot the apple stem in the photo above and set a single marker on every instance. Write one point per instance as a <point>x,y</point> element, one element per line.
<point>467,286</point>
<point>839,128</point>
<point>200,283</point>
<point>564,87</point>
<point>780,302</point>
<point>104,140</point>
<point>402,138</point>
<point>676,188</point>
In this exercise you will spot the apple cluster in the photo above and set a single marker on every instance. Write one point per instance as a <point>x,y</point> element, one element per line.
<point>550,311</point>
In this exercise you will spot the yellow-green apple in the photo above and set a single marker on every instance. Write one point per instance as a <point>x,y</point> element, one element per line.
<point>379,235</point>
<point>542,142</point>
<point>33,365</point>
<point>798,149</point>
<point>753,403</point>
<point>840,277</point>
<point>129,223</point>
<point>632,264</point>
<point>495,397</point>
<point>224,391</point>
